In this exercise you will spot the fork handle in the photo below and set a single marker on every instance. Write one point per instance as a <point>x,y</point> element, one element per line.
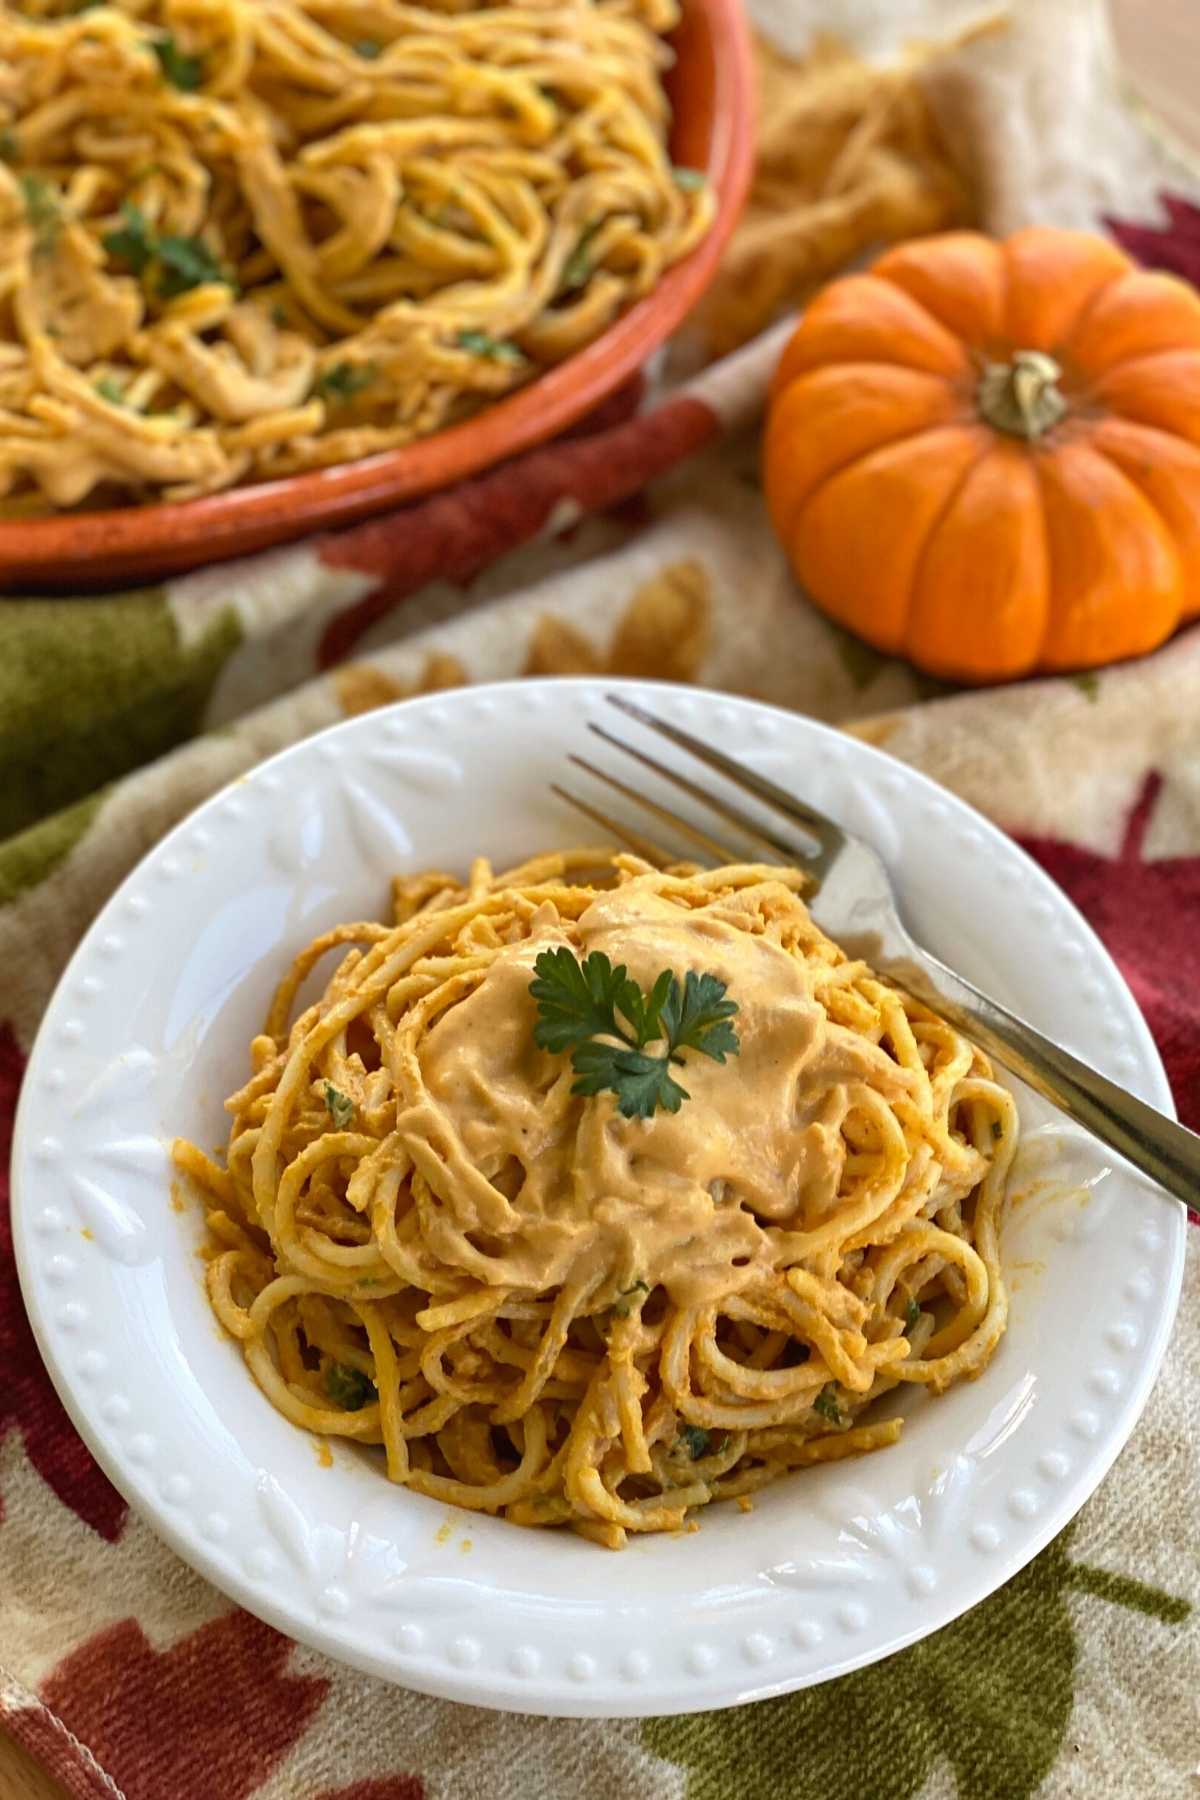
<point>1160,1147</point>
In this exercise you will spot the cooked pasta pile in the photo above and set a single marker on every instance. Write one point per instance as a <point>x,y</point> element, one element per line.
<point>241,238</point>
<point>423,1238</point>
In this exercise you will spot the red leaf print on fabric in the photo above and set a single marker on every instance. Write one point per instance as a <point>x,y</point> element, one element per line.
<point>210,1716</point>
<point>1148,914</point>
<point>452,536</point>
<point>28,1402</point>
<point>385,1787</point>
<point>1174,246</point>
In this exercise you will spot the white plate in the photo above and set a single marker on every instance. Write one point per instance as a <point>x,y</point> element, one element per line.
<point>835,1566</point>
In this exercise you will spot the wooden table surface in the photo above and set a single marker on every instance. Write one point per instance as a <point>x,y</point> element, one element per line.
<point>1160,43</point>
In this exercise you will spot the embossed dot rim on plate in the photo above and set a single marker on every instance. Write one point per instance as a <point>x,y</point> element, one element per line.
<point>836,1566</point>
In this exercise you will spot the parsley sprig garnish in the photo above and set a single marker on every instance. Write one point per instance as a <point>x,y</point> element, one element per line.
<point>602,1016</point>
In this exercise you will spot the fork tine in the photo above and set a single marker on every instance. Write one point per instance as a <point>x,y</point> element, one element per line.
<point>733,815</point>
<point>828,834</point>
<point>641,846</point>
<point>710,845</point>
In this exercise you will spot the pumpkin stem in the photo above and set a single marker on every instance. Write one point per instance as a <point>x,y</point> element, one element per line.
<point>1022,396</point>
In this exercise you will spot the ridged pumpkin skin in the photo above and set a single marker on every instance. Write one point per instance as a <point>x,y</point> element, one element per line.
<point>985,456</point>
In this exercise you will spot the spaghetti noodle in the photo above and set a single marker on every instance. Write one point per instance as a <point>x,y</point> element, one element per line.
<point>422,1237</point>
<point>241,238</point>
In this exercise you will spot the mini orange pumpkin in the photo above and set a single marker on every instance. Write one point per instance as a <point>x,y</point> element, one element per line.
<point>985,456</point>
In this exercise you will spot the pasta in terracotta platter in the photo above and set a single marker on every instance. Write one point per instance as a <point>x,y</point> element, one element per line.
<point>244,240</point>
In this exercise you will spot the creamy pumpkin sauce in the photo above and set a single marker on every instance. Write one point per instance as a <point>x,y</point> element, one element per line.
<point>597,1202</point>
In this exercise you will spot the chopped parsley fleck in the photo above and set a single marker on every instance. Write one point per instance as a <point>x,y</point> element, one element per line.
<point>341,1109</point>
<point>133,242</point>
<point>185,263</point>
<point>579,264</point>
<point>43,209</point>
<point>826,1404</point>
<point>997,1129</point>
<point>479,343</point>
<point>629,1298</point>
<point>343,380</point>
<point>9,148</point>
<point>349,1388</point>
<point>108,390</point>
<point>368,49</point>
<point>688,179</point>
<point>175,264</point>
<point>695,1439</point>
<point>179,67</point>
<point>912,1313</point>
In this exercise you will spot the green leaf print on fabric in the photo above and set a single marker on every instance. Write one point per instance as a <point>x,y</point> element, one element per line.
<point>27,859</point>
<point>860,660</point>
<point>91,689</point>
<point>863,664</point>
<point>934,687</point>
<point>991,1695</point>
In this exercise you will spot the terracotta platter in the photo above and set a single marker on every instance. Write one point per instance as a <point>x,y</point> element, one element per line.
<point>711,92</point>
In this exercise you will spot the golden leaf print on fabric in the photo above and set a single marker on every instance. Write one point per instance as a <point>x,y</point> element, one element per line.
<point>849,156</point>
<point>361,686</point>
<point>663,634</point>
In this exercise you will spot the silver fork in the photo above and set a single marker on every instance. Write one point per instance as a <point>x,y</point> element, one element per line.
<point>850,896</point>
